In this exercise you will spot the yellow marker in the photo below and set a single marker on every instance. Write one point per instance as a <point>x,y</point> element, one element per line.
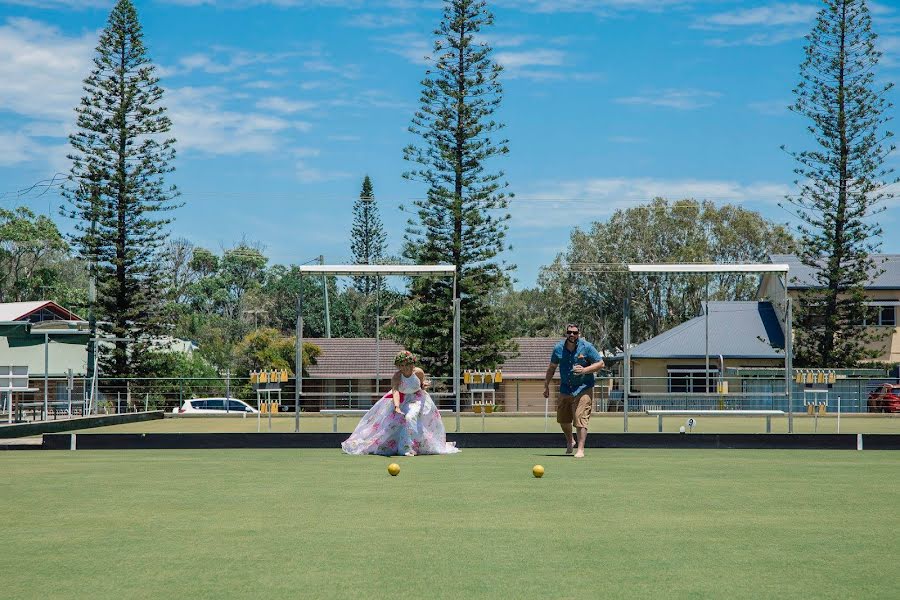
<point>537,471</point>
<point>394,469</point>
<point>498,377</point>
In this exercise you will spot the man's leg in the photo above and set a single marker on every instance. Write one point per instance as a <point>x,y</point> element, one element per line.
<point>565,416</point>
<point>582,436</point>
<point>570,440</point>
<point>583,407</point>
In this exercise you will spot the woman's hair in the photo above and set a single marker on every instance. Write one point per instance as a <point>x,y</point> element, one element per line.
<point>405,357</point>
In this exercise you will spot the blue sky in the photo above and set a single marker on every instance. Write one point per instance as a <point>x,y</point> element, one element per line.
<point>281,107</point>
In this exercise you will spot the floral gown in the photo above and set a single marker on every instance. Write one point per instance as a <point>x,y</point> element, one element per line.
<point>418,430</point>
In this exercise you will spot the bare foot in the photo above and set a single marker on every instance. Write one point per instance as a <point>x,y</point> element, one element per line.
<point>579,454</point>
<point>570,448</point>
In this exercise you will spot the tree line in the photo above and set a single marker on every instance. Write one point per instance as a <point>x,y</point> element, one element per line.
<point>241,310</point>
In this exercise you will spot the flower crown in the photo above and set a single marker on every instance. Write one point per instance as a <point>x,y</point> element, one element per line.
<point>405,357</point>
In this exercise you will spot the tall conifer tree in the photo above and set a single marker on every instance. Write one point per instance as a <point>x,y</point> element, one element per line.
<point>117,192</point>
<point>367,239</point>
<point>842,183</point>
<point>463,218</point>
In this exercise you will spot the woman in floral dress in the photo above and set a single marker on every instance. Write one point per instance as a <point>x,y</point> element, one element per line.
<point>405,421</point>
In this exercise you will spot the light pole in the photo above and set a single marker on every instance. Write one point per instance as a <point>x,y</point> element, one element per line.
<point>378,319</point>
<point>327,310</point>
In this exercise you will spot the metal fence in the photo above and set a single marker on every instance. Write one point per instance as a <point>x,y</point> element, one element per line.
<point>511,396</point>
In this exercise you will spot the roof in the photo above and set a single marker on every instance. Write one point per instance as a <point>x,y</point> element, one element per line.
<point>352,358</point>
<point>19,311</point>
<point>708,268</point>
<point>532,359</point>
<point>803,276</point>
<point>736,330</point>
<point>410,270</point>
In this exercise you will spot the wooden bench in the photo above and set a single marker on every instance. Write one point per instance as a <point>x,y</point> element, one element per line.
<point>341,412</point>
<point>768,414</point>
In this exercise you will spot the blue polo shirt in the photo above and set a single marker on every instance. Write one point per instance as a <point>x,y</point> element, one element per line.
<point>584,354</point>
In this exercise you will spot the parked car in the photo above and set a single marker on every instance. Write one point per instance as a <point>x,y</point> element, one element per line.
<point>215,406</point>
<point>886,398</point>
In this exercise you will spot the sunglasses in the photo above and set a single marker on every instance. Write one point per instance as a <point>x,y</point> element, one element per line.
<point>573,332</point>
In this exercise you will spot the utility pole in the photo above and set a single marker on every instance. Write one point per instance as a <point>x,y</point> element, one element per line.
<point>327,308</point>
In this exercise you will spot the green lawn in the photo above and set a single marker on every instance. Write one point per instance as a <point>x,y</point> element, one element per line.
<point>505,423</point>
<point>316,523</point>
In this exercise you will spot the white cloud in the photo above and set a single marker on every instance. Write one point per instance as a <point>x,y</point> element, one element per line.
<point>602,7</point>
<point>765,38</point>
<point>773,15</point>
<point>414,47</point>
<point>42,69</point>
<point>563,203</point>
<point>222,60</point>
<point>772,108</point>
<point>530,58</point>
<point>376,21</point>
<point>59,4</point>
<point>890,49</point>
<point>15,148</point>
<point>202,123</point>
<point>307,173</point>
<point>684,99</point>
<point>767,25</point>
<point>284,105</point>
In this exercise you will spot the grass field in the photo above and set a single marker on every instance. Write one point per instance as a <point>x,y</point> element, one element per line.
<point>505,423</point>
<point>319,524</point>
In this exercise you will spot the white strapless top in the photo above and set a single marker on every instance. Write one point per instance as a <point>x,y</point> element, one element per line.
<point>409,385</point>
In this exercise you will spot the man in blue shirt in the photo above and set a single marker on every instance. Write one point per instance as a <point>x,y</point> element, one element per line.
<point>577,360</point>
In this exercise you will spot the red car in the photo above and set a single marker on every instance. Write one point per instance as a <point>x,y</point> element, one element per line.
<point>886,398</point>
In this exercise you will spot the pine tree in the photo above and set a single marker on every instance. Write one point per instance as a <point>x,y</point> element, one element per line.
<point>117,193</point>
<point>462,220</point>
<point>367,239</point>
<point>842,183</point>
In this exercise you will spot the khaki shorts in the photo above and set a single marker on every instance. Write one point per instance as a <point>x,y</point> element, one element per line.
<point>575,409</point>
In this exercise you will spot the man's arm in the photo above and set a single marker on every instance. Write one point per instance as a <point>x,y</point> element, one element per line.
<point>596,362</point>
<point>548,378</point>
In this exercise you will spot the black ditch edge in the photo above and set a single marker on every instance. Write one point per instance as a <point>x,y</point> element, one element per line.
<point>173,441</point>
<point>17,430</point>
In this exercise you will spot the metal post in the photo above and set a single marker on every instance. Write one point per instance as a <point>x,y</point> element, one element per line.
<point>298,358</point>
<point>377,353</point>
<point>517,395</point>
<point>789,361</point>
<point>118,403</point>
<point>46,372</point>
<point>228,384</point>
<point>456,350</point>
<point>839,415</point>
<point>706,326</point>
<point>327,308</point>
<point>627,337</point>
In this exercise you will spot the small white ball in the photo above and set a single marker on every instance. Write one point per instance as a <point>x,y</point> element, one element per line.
<point>681,429</point>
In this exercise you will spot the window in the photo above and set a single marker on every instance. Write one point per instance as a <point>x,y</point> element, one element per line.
<point>218,404</point>
<point>43,315</point>
<point>878,314</point>
<point>235,405</point>
<point>689,379</point>
<point>198,404</point>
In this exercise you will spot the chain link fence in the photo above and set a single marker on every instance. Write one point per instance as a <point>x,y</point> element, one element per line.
<point>521,396</point>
